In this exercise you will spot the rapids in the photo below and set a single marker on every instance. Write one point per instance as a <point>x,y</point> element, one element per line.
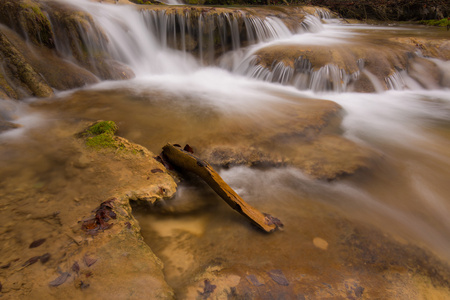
<point>223,95</point>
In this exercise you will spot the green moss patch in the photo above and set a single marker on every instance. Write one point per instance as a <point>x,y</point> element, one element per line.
<point>441,23</point>
<point>101,141</point>
<point>103,127</point>
<point>100,135</point>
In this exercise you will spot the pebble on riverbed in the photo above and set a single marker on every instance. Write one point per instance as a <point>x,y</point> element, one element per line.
<point>320,243</point>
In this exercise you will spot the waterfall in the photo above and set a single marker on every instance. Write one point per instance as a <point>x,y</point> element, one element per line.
<point>108,39</point>
<point>177,40</point>
<point>340,130</point>
<point>209,36</point>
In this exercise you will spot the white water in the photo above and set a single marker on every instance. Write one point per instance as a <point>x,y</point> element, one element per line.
<point>397,124</point>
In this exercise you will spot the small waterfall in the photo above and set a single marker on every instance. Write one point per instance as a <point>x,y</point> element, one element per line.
<point>118,42</point>
<point>400,80</point>
<point>103,34</point>
<point>302,75</point>
<point>78,38</point>
<point>210,35</point>
<point>324,14</point>
<point>395,81</point>
<point>312,24</point>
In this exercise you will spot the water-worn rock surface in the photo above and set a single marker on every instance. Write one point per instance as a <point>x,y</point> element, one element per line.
<point>76,199</point>
<point>353,65</point>
<point>47,45</point>
<point>304,133</point>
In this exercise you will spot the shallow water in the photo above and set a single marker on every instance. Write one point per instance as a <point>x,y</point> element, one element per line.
<point>174,98</point>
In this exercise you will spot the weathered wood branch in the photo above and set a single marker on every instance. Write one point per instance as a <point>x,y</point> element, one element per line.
<point>187,161</point>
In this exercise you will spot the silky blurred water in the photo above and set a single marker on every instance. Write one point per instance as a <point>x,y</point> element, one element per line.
<point>175,99</point>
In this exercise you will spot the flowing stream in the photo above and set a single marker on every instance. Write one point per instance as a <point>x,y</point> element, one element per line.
<point>225,97</point>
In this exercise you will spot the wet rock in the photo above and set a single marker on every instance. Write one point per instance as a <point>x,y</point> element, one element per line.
<point>89,261</point>
<point>45,258</point>
<point>5,126</point>
<point>27,18</point>
<point>111,173</point>
<point>418,67</point>
<point>207,290</point>
<point>212,284</point>
<point>31,261</point>
<point>32,69</point>
<point>332,157</point>
<point>37,243</point>
<point>81,40</point>
<point>60,280</point>
<point>278,277</point>
<point>429,47</point>
<point>22,70</point>
<point>254,280</point>
<point>361,67</point>
<point>320,243</point>
<point>82,162</point>
<point>56,72</point>
<point>184,31</point>
<point>306,136</point>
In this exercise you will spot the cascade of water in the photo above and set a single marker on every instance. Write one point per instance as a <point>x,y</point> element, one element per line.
<point>301,75</point>
<point>323,13</point>
<point>400,80</point>
<point>403,189</point>
<point>312,24</point>
<point>209,36</point>
<point>122,33</point>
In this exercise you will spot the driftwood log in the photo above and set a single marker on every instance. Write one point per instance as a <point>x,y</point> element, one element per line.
<point>187,161</point>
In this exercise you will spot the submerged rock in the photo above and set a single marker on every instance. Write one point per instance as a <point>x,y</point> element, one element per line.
<point>354,262</point>
<point>304,134</point>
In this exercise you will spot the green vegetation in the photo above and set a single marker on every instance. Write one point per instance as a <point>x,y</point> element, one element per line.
<point>34,22</point>
<point>103,140</point>
<point>107,127</point>
<point>101,135</point>
<point>442,22</point>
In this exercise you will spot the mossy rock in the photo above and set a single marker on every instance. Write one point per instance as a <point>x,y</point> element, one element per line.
<point>20,69</point>
<point>103,127</point>
<point>26,18</point>
<point>101,136</point>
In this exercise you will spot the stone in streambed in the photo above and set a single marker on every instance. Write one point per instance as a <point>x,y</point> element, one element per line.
<point>320,243</point>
